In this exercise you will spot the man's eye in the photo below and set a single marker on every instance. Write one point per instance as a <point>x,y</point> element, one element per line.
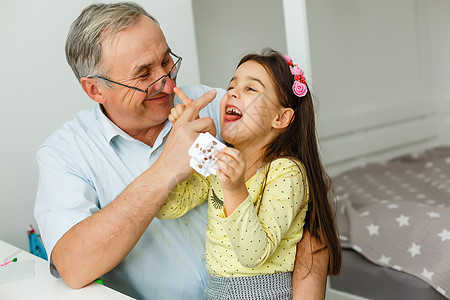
<point>145,75</point>
<point>166,62</point>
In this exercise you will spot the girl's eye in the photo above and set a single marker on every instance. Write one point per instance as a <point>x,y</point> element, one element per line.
<point>250,89</point>
<point>230,88</point>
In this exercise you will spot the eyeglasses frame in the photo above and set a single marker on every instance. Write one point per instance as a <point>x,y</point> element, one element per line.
<point>163,78</point>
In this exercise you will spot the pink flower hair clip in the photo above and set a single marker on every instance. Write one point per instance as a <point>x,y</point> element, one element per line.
<point>299,86</point>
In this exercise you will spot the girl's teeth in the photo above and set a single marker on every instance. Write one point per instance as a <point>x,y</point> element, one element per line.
<point>233,111</point>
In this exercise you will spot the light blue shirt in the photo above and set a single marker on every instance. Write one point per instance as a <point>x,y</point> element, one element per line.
<point>86,164</point>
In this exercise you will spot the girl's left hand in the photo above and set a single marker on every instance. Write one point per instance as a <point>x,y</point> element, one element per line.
<point>177,111</point>
<point>231,169</point>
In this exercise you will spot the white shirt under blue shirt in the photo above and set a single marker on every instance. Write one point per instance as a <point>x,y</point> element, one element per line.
<point>86,164</point>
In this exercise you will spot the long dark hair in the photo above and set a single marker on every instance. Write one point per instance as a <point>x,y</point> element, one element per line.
<point>299,141</point>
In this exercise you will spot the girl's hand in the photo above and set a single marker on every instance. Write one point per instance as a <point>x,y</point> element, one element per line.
<point>231,175</point>
<point>178,110</point>
<point>231,169</point>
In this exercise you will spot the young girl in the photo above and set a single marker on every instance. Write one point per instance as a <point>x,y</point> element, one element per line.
<point>267,188</point>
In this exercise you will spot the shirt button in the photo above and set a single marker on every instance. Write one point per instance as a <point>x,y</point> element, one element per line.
<point>186,221</point>
<point>203,257</point>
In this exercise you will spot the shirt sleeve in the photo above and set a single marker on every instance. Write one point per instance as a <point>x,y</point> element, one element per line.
<point>64,197</point>
<point>255,234</point>
<point>184,197</point>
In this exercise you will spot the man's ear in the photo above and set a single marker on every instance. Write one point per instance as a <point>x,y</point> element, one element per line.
<point>91,88</point>
<point>284,118</point>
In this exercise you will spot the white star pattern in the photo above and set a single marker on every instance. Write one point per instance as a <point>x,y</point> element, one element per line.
<point>445,235</point>
<point>441,290</point>
<point>414,250</point>
<point>427,274</point>
<point>364,214</point>
<point>357,248</point>
<point>384,259</point>
<point>397,267</point>
<point>402,220</point>
<point>392,206</point>
<point>373,229</point>
<point>433,214</point>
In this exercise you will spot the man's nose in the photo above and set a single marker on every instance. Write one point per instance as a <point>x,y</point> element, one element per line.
<point>169,85</point>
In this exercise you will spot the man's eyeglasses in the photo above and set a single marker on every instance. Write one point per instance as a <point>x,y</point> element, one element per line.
<point>149,91</point>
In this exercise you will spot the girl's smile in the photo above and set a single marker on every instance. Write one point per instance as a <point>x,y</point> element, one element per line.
<point>249,107</point>
<point>232,113</point>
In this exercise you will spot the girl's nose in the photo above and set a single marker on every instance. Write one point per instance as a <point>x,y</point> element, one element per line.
<point>234,93</point>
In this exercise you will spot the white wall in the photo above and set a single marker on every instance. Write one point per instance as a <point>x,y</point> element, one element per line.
<point>227,30</point>
<point>39,91</point>
<point>439,16</point>
<point>373,77</point>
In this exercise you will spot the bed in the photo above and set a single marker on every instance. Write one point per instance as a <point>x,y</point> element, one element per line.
<point>394,225</point>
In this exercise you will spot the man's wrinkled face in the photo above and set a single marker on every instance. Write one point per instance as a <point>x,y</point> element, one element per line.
<point>137,56</point>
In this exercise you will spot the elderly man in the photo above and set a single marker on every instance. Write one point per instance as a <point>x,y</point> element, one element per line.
<point>104,175</point>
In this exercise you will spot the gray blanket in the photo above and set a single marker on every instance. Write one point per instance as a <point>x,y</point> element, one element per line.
<point>397,215</point>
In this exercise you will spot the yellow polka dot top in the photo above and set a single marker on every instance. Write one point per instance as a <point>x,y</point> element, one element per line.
<point>261,235</point>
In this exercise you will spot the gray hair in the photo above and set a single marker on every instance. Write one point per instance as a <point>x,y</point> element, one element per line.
<point>95,23</point>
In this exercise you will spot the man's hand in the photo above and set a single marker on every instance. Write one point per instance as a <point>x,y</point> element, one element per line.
<point>186,127</point>
<point>310,271</point>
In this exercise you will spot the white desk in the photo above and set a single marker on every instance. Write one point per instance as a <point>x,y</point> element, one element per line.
<point>44,285</point>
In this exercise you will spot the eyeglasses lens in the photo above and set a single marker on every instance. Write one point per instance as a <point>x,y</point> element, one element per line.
<point>156,87</point>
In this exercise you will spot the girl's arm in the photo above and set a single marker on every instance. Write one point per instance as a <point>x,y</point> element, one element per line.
<point>190,193</point>
<point>256,233</point>
<point>184,197</point>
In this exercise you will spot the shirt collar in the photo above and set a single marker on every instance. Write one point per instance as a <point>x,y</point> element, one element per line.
<point>111,130</point>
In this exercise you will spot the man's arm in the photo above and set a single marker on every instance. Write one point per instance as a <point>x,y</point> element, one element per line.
<point>97,244</point>
<point>310,271</point>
